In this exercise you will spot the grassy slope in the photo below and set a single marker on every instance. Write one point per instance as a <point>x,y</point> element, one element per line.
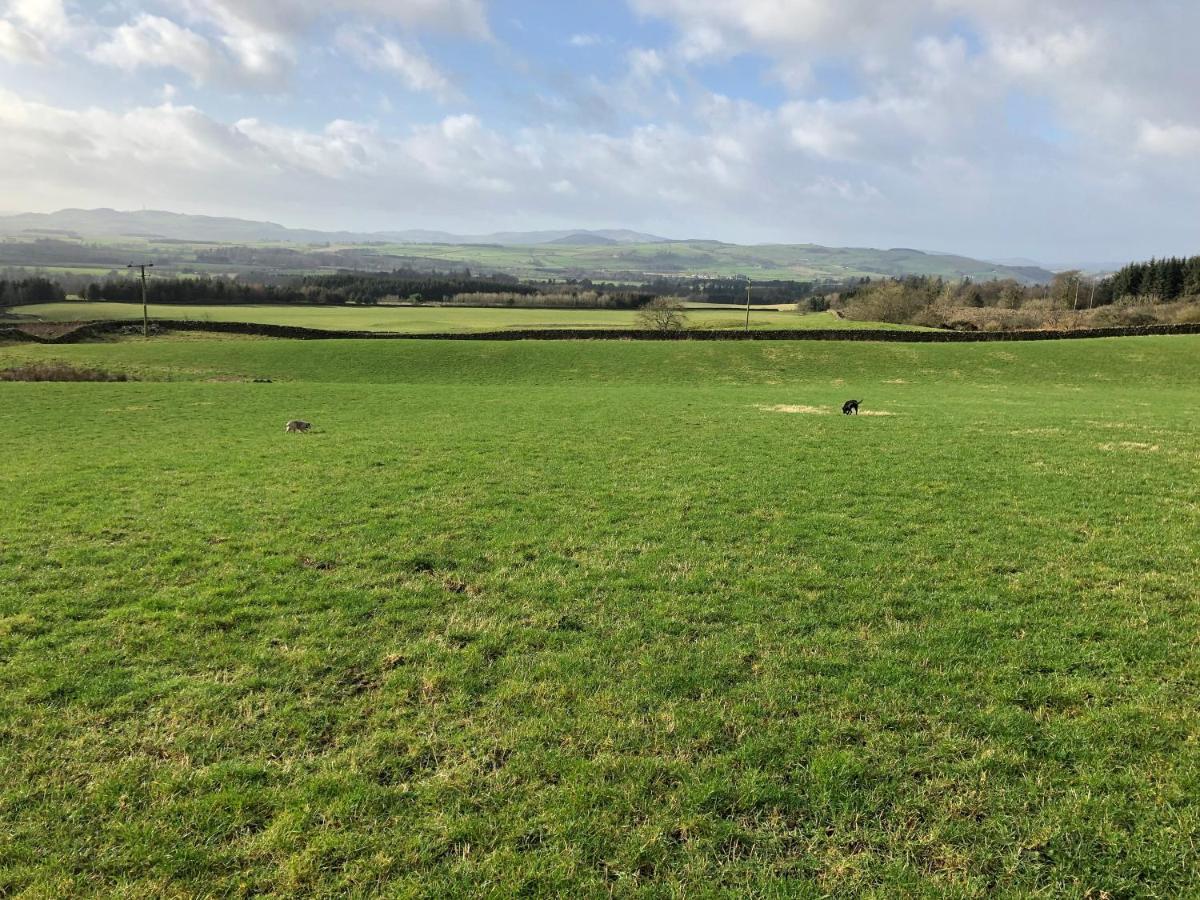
<point>583,618</point>
<point>428,319</point>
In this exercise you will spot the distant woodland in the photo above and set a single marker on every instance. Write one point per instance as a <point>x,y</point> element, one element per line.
<point>20,291</point>
<point>415,287</point>
<point>1160,290</point>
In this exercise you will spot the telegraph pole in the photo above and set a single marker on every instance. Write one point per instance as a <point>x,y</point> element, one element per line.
<point>747,304</point>
<point>145,309</point>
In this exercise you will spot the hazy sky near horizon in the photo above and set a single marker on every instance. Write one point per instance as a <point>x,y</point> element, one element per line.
<point>1059,130</point>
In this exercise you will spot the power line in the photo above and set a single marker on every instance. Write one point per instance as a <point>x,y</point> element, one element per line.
<point>145,310</point>
<point>747,304</point>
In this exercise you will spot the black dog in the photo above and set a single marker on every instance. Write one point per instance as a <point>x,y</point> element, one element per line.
<point>850,406</point>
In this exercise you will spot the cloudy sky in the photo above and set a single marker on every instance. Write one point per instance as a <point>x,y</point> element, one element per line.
<point>1052,129</point>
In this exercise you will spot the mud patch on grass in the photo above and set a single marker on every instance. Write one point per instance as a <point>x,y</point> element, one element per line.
<point>786,408</point>
<point>1131,446</point>
<point>875,412</point>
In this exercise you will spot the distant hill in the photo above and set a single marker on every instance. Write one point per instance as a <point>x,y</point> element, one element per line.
<point>177,226</point>
<point>584,239</point>
<point>55,239</point>
<point>110,223</point>
<point>523,238</point>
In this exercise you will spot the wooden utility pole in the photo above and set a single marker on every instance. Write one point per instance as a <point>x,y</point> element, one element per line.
<point>747,304</point>
<point>145,309</point>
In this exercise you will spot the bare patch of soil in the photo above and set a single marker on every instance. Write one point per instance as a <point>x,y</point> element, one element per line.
<point>1135,446</point>
<point>785,408</point>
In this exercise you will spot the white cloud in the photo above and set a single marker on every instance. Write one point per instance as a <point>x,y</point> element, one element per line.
<point>719,27</point>
<point>154,42</point>
<point>342,149</point>
<point>261,56</point>
<point>43,17</point>
<point>1181,141</point>
<point>247,43</point>
<point>406,60</point>
<point>463,17</point>
<point>263,34</point>
<point>28,28</point>
<point>645,64</point>
<point>992,125</point>
<point>51,148</point>
<point>742,173</point>
<point>19,45</point>
<point>935,77</point>
<point>1035,54</point>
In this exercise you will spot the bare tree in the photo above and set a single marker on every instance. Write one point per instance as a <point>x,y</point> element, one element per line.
<point>662,314</point>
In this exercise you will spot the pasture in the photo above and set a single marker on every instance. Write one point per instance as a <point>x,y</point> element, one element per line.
<point>429,319</point>
<point>627,618</point>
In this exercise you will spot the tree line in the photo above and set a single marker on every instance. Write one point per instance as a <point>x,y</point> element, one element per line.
<point>333,289</point>
<point>1161,280</point>
<point>459,288</point>
<point>23,291</point>
<point>409,285</point>
<point>1158,291</point>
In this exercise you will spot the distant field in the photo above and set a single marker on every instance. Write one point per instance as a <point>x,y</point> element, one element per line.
<point>428,319</point>
<point>597,619</point>
<point>700,258</point>
<point>619,262</point>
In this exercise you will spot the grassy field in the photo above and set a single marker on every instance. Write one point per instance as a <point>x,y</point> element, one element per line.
<point>701,258</point>
<point>423,319</point>
<point>556,618</point>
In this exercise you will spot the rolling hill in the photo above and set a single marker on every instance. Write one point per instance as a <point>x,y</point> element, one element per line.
<point>103,238</point>
<point>158,224</point>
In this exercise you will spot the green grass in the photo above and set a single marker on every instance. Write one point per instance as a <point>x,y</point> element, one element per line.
<point>415,320</point>
<point>584,619</point>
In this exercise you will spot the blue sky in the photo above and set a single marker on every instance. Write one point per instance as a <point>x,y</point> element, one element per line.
<point>1061,130</point>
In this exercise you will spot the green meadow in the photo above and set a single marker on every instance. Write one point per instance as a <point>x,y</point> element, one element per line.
<point>601,619</point>
<point>430,319</point>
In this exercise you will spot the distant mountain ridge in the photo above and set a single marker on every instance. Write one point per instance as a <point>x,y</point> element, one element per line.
<point>569,253</point>
<point>222,229</point>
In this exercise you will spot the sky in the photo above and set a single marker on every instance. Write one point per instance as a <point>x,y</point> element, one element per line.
<point>1054,130</point>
